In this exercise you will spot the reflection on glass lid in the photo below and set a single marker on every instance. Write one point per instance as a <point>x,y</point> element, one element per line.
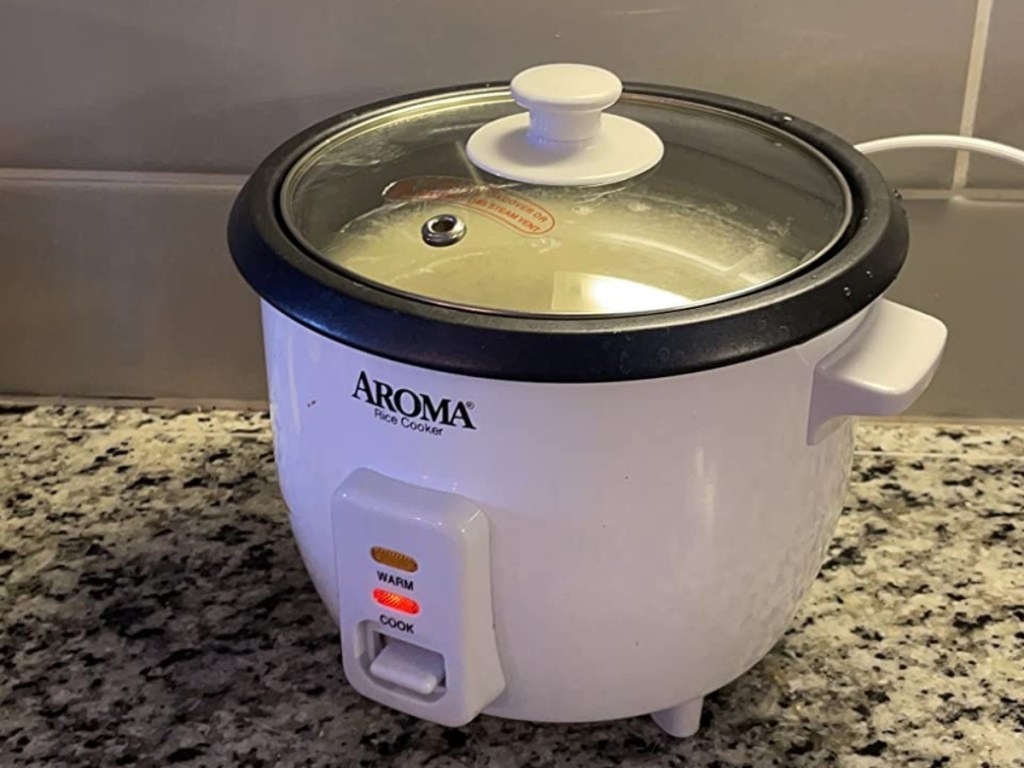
<point>734,205</point>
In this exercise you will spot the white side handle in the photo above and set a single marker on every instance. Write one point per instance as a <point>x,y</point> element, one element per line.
<point>880,370</point>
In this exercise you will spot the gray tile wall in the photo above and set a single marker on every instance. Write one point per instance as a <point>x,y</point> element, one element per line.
<point>123,288</point>
<point>1001,106</point>
<point>114,277</point>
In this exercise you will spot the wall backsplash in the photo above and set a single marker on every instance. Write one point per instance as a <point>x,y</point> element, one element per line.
<point>119,157</point>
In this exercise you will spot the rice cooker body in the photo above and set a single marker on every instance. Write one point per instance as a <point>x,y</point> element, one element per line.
<point>649,540</point>
<point>570,518</point>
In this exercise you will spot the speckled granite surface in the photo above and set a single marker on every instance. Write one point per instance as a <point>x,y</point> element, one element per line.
<point>154,611</point>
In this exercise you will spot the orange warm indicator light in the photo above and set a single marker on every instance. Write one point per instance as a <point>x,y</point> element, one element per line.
<point>396,602</point>
<point>393,559</point>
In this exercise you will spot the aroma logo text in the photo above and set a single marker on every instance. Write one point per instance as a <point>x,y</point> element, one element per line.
<point>413,410</point>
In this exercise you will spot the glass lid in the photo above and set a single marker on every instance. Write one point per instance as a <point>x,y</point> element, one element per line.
<point>658,204</point>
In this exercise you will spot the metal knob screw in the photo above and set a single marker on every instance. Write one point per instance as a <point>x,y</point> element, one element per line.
<point>442,230</point>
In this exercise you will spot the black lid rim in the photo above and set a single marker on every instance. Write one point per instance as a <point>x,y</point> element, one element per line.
<point>573,349</point>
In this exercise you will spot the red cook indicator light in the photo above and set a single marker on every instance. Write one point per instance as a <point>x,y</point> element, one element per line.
<point>396,602</point>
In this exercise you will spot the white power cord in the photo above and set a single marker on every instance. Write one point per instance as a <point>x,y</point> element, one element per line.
<point>941,141</point>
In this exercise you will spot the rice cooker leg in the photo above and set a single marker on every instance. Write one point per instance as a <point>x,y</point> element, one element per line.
<point>682,720</point>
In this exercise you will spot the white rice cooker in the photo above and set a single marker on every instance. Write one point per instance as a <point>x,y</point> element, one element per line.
<point>561,397</point>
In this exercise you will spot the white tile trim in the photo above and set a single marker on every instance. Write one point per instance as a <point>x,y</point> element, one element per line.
<point>972,88</point>
<point>976,194</point>
<point>121,178</point>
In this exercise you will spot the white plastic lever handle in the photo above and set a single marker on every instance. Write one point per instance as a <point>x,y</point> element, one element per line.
<point>564,139</point>
<point>565,101</point>
<point>880,370</point>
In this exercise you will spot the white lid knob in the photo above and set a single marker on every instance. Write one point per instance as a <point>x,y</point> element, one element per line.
<point>565,139</point>
<point>565,100</point>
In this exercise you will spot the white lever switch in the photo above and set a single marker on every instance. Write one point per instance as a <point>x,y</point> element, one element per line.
<point>409,666</point>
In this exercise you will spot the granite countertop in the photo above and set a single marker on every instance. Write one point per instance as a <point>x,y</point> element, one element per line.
<point>154,611</point>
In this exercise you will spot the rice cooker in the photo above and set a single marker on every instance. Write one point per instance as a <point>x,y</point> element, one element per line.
<point>561,396</point>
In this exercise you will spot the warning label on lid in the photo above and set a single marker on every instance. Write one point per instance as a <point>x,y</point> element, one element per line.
<point>515,211</point>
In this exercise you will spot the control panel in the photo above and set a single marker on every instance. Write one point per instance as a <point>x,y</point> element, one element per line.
<point>414,598</point>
